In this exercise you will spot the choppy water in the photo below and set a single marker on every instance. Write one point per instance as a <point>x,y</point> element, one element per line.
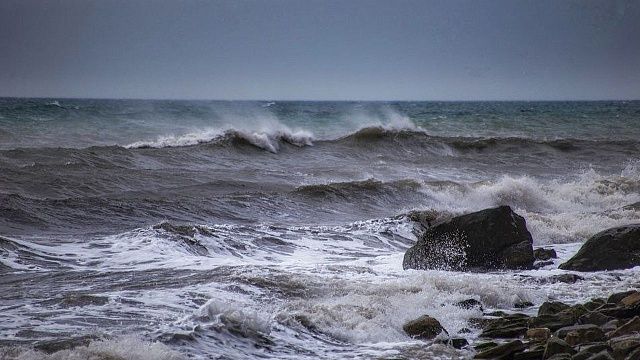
<point>174,229</point>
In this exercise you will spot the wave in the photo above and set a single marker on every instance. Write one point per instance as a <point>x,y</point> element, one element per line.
<point>126,347</point>
<point>353,188</point>
<point>269,140</point>
<point>272,140</point>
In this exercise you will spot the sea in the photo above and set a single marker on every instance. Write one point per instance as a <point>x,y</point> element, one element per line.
<point>157,229</point>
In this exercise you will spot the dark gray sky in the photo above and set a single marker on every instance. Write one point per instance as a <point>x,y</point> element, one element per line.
<point>280,49</point>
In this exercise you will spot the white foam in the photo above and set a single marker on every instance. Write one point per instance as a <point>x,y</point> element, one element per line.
<point>129,348</point>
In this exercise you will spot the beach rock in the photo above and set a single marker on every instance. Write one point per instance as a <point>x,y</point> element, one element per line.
<point>630,327</point>
<point>458,343</point>
<point>424,327</point>
<point>503,351</point>
<point>602,355</point>
<point>616,248</point>
<point>583,336</point>
<point>557,346</point>
<point>624,345</point>
<point>610,326</point>
<point>523,304</point>
<point>563,332</point>
<point>490,239</point>
<point>543,254</point>
<point>562,356</point>
<point>509,326</point>
<point>634,355</point>
<point>615,298</point>
<point>595,318</point>
<point>586,352</point>
<point>469,304</point>
<point>631,299</point>
<point>529,355</point>
<point>552,321</point>
<point>538,334</point>
<point>552,307</point>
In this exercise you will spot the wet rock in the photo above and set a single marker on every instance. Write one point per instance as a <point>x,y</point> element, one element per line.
<point>631,300</point>
<point>538,334</point>
<point>582,336</point>
<point>563,332</point>
<point>634,355</point>
<point>424,327</point>
<point>485,240</point>
<point>585,352</point>
<point>564,278</point>
<point>557,346</point>
<point>529,355</point>
<point>624,345</point>
<point>595,318</point>
<point>510,326</point>
<point>562,356</point>
<point>602,355</point>
<point>552,307</point>
<point>485,346</point>
<point>469,304</point>
<point>594,304</point>
<point>610,326</point>
<point>73,300</point>
<point>523,304</point>
<point>616,248</point>
<point>632,326</point>
<point>552,321</point>
<point>615,298</point>
<point>543,254</point>
<point>458,343</point>
<point>503,351</point>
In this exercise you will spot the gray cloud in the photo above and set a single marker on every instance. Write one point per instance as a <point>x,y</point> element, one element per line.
<point>449,50</point>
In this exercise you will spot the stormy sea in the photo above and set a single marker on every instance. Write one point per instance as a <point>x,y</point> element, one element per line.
<point>140,229</point>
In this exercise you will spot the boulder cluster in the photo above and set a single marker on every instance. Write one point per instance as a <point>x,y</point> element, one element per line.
<point>498,239</point>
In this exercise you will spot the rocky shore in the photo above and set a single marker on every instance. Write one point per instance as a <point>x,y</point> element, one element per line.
<point>497,239</point>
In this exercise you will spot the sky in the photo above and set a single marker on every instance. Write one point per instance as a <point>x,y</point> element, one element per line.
<point>321,50</point>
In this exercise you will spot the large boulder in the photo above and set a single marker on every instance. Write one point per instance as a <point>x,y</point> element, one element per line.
<point>612,249</point>
<point>485,240</point>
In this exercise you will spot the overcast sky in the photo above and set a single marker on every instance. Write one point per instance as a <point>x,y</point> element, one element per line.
<point>280,49</point>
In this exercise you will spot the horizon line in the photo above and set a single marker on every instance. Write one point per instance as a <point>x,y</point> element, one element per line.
<point>314,100</point>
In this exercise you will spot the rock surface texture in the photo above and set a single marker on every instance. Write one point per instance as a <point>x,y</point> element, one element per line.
<point>490,239</point>
<point>612,249</point>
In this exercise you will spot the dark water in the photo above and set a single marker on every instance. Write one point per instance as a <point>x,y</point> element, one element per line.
<point>276,229</point>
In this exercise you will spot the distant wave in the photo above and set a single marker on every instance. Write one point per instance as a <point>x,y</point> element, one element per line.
<point>266,140</point>
<point>371,187</point>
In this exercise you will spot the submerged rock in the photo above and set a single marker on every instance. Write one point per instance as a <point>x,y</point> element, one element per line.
<point>612,249</point>
<point>543,254</point>
<point>485,240</point>
<point>424,327</point>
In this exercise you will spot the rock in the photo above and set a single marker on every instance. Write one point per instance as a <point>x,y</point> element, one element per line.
<point>562,356</point>
<point>523,304</point>
<point>502,351</point>
<point>634,355</point>
<point>631,300</point>
<point>538,334</point>
<point>616,248</point>
<point>615,298</point>
<point>602,355</point>
<point>552,307</point>
<point>593,304</point>
<point>529,355</point>
<point>543,254</point>
<point>557,346</point>
<point>563,332</point>
<point>510,326</point>
<point>610,326</point>
<point>578,337</point>
<point>424,327</point>
<point>624,345</point>
<point>485,346</point>
<point>632,326</point>
<point>469,304</point>
<point>485,240</point>
<point>553,322</point>
<point>458,343</point>
<point>565,278</point>
<point>588,351</point>
<point>595,318</point>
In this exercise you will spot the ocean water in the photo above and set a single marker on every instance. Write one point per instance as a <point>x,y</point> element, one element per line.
<point>232,230</point>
